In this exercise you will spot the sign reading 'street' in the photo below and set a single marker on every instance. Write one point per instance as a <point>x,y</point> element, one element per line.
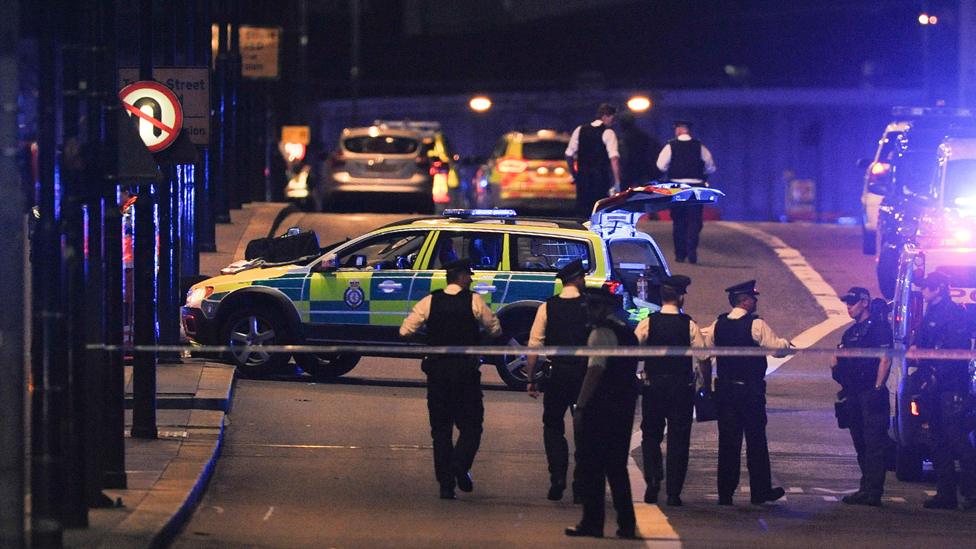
<point>158,110</point>
<point>191,85</point>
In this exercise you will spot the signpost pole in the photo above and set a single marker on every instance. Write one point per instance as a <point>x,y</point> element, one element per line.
<point>144,366</point>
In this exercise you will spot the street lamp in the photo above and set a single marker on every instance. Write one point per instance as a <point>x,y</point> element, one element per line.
<point>479,103</point>
<point>639,103</point>
<point>926,19</point>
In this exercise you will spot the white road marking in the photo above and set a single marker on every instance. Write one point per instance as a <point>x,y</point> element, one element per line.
<point>794,490</point>
<point>218,509</point>
<point>652,524</point>
<point>896,499</point>
<point>829,491</point>
<point>269,513</point>
<point>829,498</point>
<point>822,292</point>
<point>930,493</point>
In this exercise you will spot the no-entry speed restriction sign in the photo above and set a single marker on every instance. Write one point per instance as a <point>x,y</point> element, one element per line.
<point>158,110</point>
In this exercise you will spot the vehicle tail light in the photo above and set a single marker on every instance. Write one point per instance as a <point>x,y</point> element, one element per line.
<point>615,287</point>
<point>438,166</point>
<point>880,168</point>
<point>512,165</point>
<point>914,409</point>
<point>879,176</point>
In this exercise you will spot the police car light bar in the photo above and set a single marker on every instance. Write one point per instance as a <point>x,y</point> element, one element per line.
<point>418,125</point>
<point>930,111</point>
<point>479,212</point>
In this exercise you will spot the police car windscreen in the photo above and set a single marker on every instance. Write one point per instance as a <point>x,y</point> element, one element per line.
<point>544,149</point>
<point>381,144</point>
<point>960,183</point>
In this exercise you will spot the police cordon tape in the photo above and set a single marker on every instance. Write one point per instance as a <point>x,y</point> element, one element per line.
<point>417,351</point>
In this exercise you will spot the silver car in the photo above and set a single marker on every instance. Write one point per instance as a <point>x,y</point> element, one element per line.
<point>379,163</point>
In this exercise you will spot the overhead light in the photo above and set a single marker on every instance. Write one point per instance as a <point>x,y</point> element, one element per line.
<point>479,103</point>
<point>639,103</point>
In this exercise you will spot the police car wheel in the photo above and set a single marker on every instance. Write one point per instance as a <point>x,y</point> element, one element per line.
<point>246,332</point>
<point>511,367</point>
<point>326,367</point>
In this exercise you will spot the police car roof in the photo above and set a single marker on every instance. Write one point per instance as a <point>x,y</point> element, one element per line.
<point>554,222</point>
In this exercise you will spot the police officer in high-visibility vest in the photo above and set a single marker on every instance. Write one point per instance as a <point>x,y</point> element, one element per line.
<point>604,418</point>
<point>453,316</point>
<point>740,394</point>
<point>561,320</point>
<point>667,396</point>
<point>944,326</point>
<point>685,159</point>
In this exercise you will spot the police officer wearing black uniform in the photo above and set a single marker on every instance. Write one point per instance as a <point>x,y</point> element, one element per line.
<point>685,159</point>
<point>667,395</point>
<point>561,320</point>
<point>740,394</point>
<point>604,418</point>
<point>864,395</point>
<point>595,150</point>
<point>453,316</point>
<point>944,327</point>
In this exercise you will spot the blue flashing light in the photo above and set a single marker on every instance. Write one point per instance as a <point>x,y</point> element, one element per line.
<point>479,212</point>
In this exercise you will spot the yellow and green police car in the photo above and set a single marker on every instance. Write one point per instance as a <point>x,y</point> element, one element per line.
<point>359,291</point>
<point>527,169</point>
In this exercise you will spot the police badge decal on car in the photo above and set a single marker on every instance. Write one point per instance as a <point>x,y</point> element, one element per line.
<point>354,296</point>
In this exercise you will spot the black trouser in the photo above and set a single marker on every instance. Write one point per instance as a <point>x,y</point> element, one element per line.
<point>686,224</point>
<point>667,399</point>
<point>951,442</point>
<point>604,437</point>
<point>591,186</point>
<point>867,412</point>
<point>561,391</point>
<point>742,410</point>
<point>454,399</point>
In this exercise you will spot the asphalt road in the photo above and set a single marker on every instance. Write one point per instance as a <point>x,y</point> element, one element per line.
<point>349,464</point>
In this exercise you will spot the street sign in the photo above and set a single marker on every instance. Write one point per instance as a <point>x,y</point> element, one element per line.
<point>259,51</point>
<point>158,110</point>
<point>296,134</point>
<point>192,87</point>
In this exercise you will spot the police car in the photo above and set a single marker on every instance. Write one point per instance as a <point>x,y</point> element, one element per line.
<point>360,291</point>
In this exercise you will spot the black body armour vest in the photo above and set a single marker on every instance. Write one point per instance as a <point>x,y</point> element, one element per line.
<point>669,330</point>
<point>686,160</point>
<point>566,325</point>
<point>592,153</point>
<point>451,321</point>
<point>619,382</point>
<point>738,333</point>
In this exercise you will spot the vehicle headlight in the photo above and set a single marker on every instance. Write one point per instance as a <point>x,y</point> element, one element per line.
<point>196,295</point>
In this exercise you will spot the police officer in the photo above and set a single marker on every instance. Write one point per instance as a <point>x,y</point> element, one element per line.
<point>864,394</point>
<point>594,148</point>
<point>740,393</point>
<point>453,316</point>
<point>944,327</point>
<point>685,159</point>
<point>561,320</point>
<point>604,418</point>
<point>667,395</point>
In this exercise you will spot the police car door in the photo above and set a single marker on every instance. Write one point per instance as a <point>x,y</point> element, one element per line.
<point>365,298</point>
<point>536,259</point>
<point>483,248</point>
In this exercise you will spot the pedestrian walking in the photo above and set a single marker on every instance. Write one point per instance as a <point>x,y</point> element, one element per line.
<point>864,394</point>
<point>453,316</point>
<point>604,419</point>
<point>593,149</point>
<point>561,320</point>
<point>740,393</point>
<point>668,391</point>
<point>944,327</point>
<point>685,159</point>
<point>638,151</point>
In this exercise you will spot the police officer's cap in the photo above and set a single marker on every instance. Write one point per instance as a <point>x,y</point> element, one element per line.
<point>458,266</point>
<point>936,279</point>
<point>680,283</point>
<point>856,294</point>
<point>573,269</point>
<point>684,123</point>
<point>748,288</point>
